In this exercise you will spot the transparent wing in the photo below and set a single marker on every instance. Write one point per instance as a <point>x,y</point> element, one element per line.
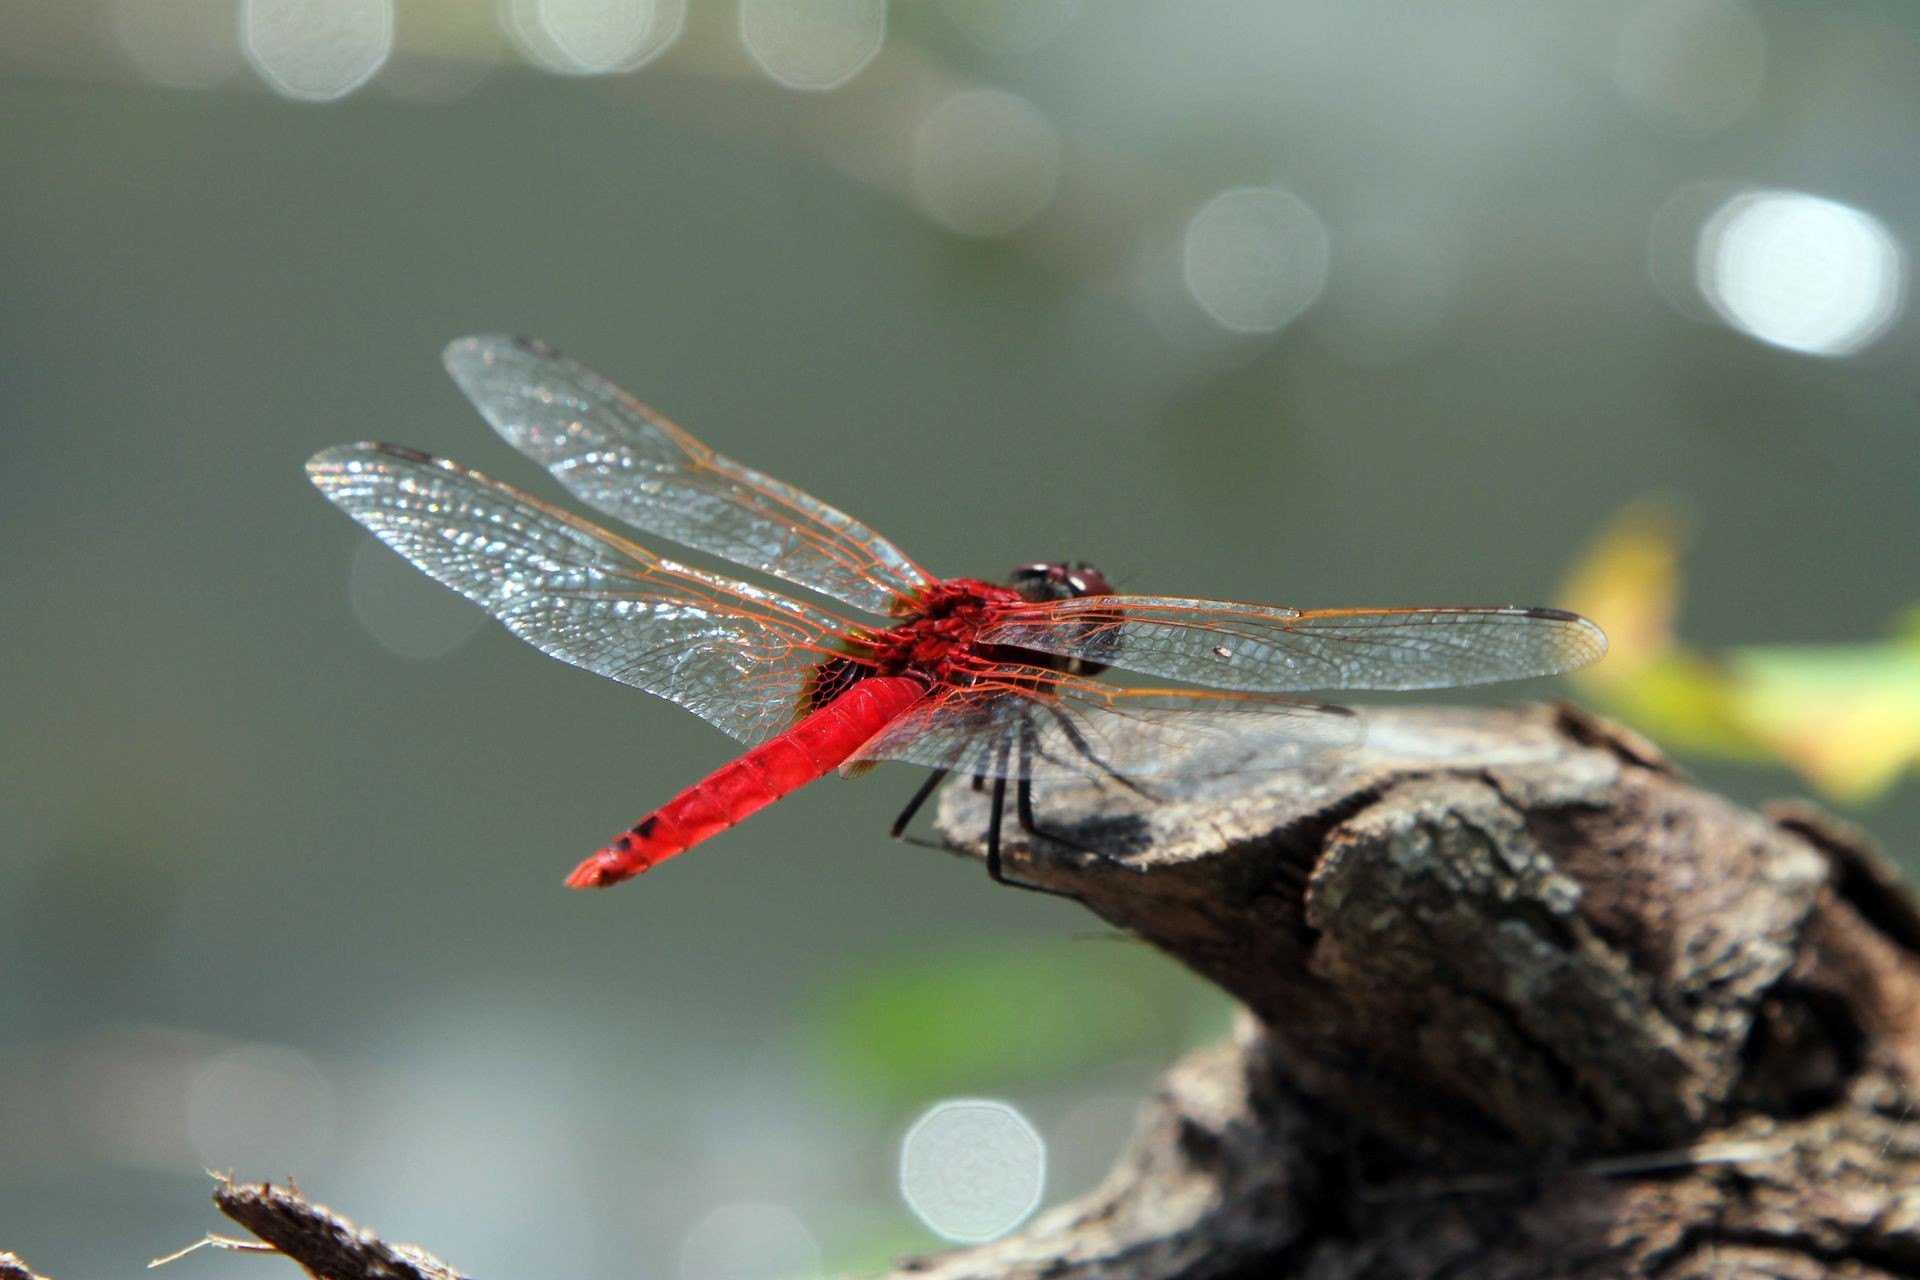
<point>1087,728</point>
<point>618,456</point>
<point>1274,650</point>
<point>733,654</point>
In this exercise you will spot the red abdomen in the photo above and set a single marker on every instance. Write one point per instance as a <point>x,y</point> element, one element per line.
<point>818,744</point>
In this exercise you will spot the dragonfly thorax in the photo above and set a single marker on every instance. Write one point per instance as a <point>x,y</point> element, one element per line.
<point>938,641</point>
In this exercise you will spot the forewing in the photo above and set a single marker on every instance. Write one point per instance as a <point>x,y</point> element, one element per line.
<point>618,456</point>
<point>735,655</point>
<point>1090,729</point>
<point>1274,650</point>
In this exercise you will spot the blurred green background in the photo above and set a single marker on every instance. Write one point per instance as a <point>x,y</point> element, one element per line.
<point>1316,302</point>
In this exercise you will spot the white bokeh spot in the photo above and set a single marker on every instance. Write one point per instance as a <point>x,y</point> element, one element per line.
<point>985,162</point>
<point>1801,272</point>
<point>259,1107</point>
<point>1255,258</point>
<point>593,37</point>
<point>813,44</point>
<point>972,1169</point>
<point>180,44</point>
<point>750,1242</point>
<point>317,50</point>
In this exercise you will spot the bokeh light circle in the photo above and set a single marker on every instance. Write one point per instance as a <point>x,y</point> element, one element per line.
<point>972,1169</point>
<point>316,50</point>
<point>1801,272</point>
<point>1673,244</point>
<point>813,44</point>
<point>259,1107</point>
<point>180,44</point>
<point>1255,258</point>
<point>593,37</point>
<point>985,162</point>
<point>750,1242</point>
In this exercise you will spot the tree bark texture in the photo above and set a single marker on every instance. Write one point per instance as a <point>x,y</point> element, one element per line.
<point>1518,1001</point>
<point>12,1268</point>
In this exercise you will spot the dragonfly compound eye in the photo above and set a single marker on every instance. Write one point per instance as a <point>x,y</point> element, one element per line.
<point>1086,580</point>
<point>1059,581</point>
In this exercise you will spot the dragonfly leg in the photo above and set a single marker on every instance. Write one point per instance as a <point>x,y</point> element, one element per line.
<point>1085,749</point>
<point>994,871</point>
<point>1023,797</point>
<point>913,806</point>
<point>1023,811</point>
<point>1023,801</point>
<point>1023,793</point>
<point>899,828</point>
<point>1023,814</point>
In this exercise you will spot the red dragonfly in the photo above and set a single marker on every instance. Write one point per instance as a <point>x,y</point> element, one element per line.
<point>995,682</point>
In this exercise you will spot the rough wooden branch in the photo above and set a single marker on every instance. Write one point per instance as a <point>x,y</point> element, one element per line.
<point>323,1243</point>
<point>1521,1001</point>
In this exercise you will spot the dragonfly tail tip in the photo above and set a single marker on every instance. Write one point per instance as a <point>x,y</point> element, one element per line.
<point>597,872</point>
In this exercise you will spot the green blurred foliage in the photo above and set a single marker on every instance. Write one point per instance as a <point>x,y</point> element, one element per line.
<point>1017,1014</point>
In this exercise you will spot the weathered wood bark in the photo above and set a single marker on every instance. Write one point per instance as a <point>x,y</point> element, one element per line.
<point>324,1244</point>
<point>12,1268</point>
<point>1519,1002</point>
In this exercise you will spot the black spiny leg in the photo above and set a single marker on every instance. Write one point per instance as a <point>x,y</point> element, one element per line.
<point>993,817</point>
<point>994,873</point>
<point>1023,802</point>
<point>913,805</point>
<point>1086,752</point>
<point>1023,794</point>
<point>1023,814</point>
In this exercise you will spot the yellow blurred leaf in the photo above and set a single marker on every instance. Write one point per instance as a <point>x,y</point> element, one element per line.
<point>1846,717</point>
<point>1628,581</point>
<point>1685,703</point>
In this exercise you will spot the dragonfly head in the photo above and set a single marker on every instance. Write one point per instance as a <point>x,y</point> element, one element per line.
<point>1042,583</point>
<point>1059,581</point>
